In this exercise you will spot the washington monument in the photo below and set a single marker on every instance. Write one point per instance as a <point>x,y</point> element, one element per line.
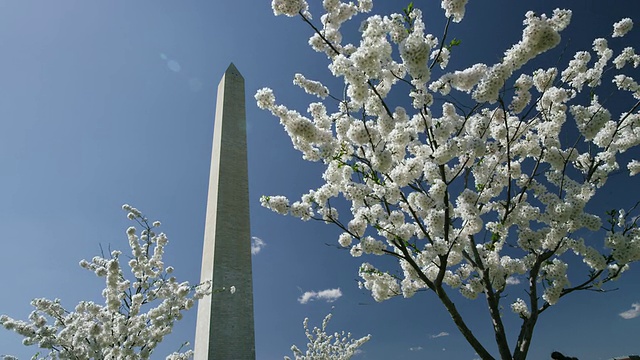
<point>224,329</point>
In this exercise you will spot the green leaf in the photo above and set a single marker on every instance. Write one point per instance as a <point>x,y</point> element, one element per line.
<point>452,43</point>
<point>409,8</point>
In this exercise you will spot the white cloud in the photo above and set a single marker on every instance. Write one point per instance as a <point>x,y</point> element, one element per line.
<point>513,280</point>
<point>329,295</point>
<point>256,245</point>
<point>441,334</point>
<point>631,313</point>
<point>417,348</point>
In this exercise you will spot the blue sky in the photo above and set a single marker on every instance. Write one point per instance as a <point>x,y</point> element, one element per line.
<point>105,103</point>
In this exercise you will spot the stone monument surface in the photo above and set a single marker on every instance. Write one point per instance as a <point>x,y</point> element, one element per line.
<point>225,328</point>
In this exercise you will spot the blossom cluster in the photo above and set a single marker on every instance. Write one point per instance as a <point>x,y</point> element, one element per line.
<point>288,7</point>
<point>622,27</point>
<point>324,346</point>
<point>520,307</point>
<point>136,315</point>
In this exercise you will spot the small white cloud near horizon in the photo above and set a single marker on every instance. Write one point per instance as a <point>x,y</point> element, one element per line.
<point>329,295</point>
<point>441,334</point>
<point>256,245</point>
<point>511,280</point>
<point>417,348</point>
<point>631,313</point>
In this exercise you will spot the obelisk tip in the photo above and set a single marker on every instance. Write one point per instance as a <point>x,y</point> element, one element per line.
<point>232,69</point>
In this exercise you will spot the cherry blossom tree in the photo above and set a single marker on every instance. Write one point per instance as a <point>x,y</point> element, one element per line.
<point>471,183</point>
<point>136,316</point>
<point>324,346</point>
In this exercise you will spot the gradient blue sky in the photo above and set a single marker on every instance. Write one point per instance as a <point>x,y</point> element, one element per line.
<point>111,102</point>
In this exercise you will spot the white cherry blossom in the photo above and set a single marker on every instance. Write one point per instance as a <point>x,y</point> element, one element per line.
<point>138,312</point>
<point>466,196</point>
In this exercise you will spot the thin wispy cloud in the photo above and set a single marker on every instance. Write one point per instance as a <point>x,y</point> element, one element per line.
<point>511,280</point>
<point>256,245</point>
<point>417,348</point>
<point>328,295</point>
<point>631,313</point>
<point>441,334</point>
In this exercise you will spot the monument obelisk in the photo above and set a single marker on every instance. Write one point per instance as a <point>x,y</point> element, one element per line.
<point>224,329</point>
